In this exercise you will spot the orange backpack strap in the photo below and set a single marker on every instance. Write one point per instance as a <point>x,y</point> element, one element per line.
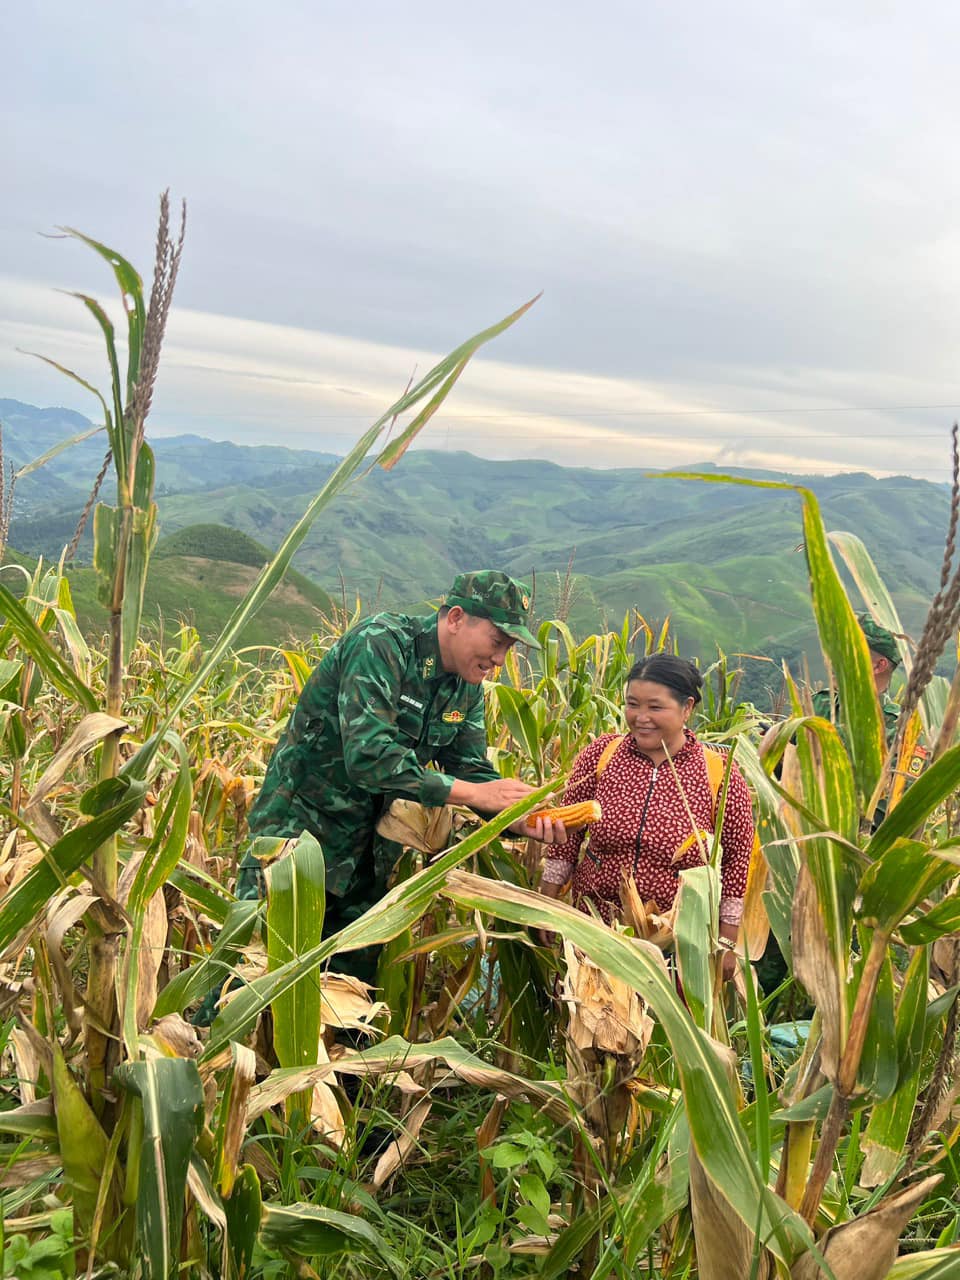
<point>716,768</point>
<point>608,752</point>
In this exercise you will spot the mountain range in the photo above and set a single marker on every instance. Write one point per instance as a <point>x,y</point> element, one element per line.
<point>723,561</point>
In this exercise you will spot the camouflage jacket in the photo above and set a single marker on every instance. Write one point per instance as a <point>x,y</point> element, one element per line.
<point>889,709</point>
<point>377,710</point>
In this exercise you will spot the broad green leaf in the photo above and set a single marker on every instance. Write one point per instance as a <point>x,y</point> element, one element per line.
<point>880,605</point>
<point>822,918</point>
<point>143,537</point>
<point>942,919</point>
<point>81,1142</point>
<point>106,543</point>
<point>519,719</point>
<point>889,1124</point>
<point>35,643</point>
<point>213,970</point>
<point>930,790</point>
<point>877,1071</point>
<point>711,1110</point>
<point>272,573</point>
<point>131,292</point>
<point>453,366</point>
<point>313,1231</point>
<point>698,898</point>
<point>32,1120</point>
<point>901,878</point>
<point>118,441</point>
<point>931,1264</point>
<point>295,907</point>
<point>172,1098</point>
<point>244,1210</point>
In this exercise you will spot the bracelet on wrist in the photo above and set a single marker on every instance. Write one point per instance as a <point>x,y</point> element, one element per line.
<point>728,944</point>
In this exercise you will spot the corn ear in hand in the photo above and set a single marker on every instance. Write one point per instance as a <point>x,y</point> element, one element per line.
<point>573,816</point>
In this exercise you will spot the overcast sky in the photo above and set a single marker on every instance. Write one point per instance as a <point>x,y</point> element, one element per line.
<point>743,218</point>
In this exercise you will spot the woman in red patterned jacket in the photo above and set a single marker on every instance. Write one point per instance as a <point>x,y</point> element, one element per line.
<point>646,820</point>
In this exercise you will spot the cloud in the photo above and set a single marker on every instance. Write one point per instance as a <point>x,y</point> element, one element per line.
<point>253,381</point>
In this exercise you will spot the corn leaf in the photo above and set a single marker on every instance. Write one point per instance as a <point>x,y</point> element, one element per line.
<point>931,1264</point>
<point>35,643</point>
<point>59,447</point>
<point>20,907</point>
<point>106,542</point>
<point>901,878</point>
<point>244,1210</point>
<point>695,931</point>
<point>172,1098</point>
<point>942,919</point>
<point>881,607</point>
<point>715,1127</point>
<point>930,790</point>
<point>231,1116</point>
<point>212,970</point>
<point>313,1231</point>
<point>118,440</point>
<point>886,1133</point>
<point>81,1142</point>
<point>295,907</point>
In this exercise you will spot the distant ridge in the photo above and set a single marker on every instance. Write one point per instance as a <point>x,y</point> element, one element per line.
<point>720,560</point>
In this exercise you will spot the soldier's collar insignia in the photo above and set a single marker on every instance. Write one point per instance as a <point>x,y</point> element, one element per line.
<point>428,665</point>
<point>452,717</point>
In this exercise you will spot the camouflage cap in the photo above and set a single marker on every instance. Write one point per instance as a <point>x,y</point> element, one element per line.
<point>486,593</point>
<point>879,639</point>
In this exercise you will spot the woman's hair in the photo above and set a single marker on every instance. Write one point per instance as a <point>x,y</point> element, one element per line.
<point>680,676</point>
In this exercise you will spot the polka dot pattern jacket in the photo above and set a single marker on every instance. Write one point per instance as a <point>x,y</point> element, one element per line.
<point>645,822</point>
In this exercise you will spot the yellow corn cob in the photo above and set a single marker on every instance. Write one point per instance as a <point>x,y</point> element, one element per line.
<point>573,816</point>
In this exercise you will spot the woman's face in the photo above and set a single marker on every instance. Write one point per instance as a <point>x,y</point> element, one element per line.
<point>654,715</point>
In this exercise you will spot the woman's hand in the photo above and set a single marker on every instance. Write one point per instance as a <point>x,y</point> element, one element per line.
<point>546,937</point>
<point>543,829</point>
<point>730,957</point>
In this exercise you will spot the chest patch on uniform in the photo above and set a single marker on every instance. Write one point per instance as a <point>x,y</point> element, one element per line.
<point>412,702</point>
<point>452,717</point>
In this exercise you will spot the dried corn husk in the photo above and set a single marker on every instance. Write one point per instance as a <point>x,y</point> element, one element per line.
<point>607,1034</point>
<point>417,827</point>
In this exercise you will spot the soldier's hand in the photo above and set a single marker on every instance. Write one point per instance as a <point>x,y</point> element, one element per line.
<point>489,797</point>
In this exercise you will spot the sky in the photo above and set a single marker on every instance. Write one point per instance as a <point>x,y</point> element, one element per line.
<point>742,219</point>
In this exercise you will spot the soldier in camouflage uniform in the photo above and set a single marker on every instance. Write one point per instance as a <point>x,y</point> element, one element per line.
<point>394,695</point>
<point>885,656</point>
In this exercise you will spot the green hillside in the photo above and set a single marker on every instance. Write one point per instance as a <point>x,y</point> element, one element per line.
<point>723,561</point>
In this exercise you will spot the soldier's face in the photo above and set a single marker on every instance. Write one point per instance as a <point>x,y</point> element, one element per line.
<point>475,646</point>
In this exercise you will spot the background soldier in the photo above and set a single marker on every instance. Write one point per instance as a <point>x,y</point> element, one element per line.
<point>885,657</point>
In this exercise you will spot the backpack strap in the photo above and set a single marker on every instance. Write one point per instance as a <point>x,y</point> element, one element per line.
<point>716,767</point>
<point>608,752</point>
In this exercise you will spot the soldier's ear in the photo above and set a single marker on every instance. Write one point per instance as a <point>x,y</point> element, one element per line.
<point>454,617</point>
